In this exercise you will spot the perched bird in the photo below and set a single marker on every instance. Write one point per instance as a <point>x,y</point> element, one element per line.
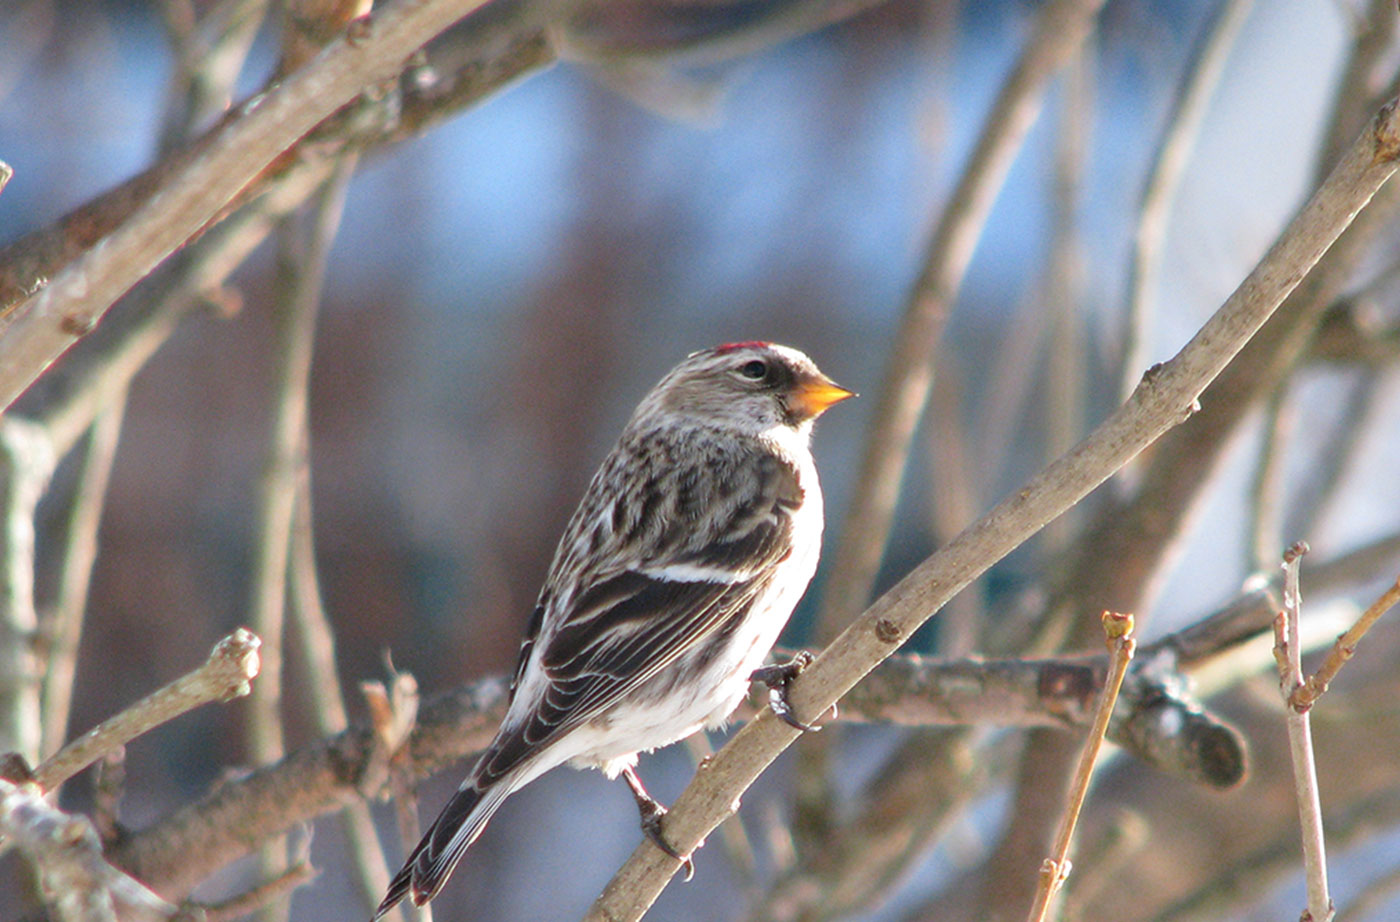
<point>687,554</point>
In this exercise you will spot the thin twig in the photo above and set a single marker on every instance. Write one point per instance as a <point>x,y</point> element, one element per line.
<point>303,257</point>
<point>303,253</point>
<point>1164,398</point>
<point>1306,695</point>
<point>107,789</point>
<point>27,462</point>
<point>314,632</point>
<point>1266,486</point>
<point>1173,152</point>
<point>1340,451</point>
<point>1118,630</point>
<point>1373,40</point>
<point>209,55</point>
<point>393,714</point>
<point>317,644</point>
<point>63,623</point>
<point>1289,655</point>
<point>1066,360</point>
<point>244,904</point>
<point>227,674</point>
<point>956,503</point>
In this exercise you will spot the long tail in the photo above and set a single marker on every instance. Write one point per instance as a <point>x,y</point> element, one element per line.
<point>457,826</point>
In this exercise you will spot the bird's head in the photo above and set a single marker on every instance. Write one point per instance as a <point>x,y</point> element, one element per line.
<point>751,387</point>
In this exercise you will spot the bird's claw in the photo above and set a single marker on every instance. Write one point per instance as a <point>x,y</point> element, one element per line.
<point>778,677</point>
<point>652,813</point>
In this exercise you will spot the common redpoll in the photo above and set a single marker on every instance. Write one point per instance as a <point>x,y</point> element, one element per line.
<point>687,554</point>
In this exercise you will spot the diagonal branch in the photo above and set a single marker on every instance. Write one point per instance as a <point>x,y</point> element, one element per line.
<point>1165,397</point>
<point>45,325</point>
<point>231,666</point>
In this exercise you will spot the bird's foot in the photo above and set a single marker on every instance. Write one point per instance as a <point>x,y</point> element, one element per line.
<point>778,677</point>
<point>652,810</point>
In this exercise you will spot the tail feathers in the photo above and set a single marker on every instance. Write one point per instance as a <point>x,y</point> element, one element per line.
<point>431,862</point>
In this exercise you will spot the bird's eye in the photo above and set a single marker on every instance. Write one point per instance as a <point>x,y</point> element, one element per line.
<point>754,369</point>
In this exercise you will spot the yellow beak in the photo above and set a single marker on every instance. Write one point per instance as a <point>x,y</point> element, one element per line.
<point>811,398</point>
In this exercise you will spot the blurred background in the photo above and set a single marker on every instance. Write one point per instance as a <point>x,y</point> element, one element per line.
<point>504,288</point>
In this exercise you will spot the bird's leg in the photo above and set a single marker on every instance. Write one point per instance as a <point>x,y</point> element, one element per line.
<point>652,811</point>
<point>778,677</point>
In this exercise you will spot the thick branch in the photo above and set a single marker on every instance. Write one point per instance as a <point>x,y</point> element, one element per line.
<point>176,853</point>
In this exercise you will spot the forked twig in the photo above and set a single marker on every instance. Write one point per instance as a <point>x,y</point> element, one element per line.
<point>1288,654</point>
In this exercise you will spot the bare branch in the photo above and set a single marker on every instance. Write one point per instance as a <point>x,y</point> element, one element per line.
<point>1156,720</point>
<point>279,888</point>
<point>209,56</point>
<point>49,322</point>
<point>107,789</point>
<point>1266,485</point>
<point>1066,356</point>
<point>81,884</point>
<point>317,645</point>
<point>227,674</point>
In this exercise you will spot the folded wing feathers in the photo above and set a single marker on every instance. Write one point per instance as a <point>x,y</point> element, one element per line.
<point>611,632</point>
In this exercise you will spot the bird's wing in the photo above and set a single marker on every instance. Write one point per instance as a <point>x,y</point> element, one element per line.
<point>629,624</point>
